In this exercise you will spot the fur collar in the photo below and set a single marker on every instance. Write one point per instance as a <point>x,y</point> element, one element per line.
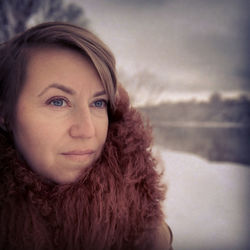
<point>115,204</point>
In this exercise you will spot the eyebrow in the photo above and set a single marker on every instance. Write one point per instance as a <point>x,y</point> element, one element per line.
<point>69,90</point>
<point>100,93</point>
<point>58,86</point>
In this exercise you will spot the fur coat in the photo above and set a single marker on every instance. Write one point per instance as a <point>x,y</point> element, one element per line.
<point>115,204</point>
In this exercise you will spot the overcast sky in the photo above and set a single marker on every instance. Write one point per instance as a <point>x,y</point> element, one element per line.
<point>184,48</point>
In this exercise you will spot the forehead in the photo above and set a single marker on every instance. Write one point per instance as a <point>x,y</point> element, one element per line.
<point>55,53</point>
<point>59,65</point>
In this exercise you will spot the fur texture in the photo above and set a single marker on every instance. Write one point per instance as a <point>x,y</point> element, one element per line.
<point>115,204</point>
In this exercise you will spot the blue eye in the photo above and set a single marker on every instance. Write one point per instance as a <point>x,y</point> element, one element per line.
<point>100,103</point>
<point>57,102</point>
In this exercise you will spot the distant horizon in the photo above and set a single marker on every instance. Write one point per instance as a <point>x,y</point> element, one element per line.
<point>177,97</point>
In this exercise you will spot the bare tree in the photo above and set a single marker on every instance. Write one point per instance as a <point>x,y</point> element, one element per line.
<point>17,15</point>
<point>144,87</point>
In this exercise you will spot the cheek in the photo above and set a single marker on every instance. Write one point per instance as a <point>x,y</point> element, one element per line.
<point>105,129</point>
<point>32,136</point>
<point>36,143</point>
<point>102,130</point>
<point>28,140</point>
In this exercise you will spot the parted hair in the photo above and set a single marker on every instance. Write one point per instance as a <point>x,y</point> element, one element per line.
<point>15,54</point>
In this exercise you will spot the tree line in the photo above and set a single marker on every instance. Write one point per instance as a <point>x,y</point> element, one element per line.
<point>216,109</point>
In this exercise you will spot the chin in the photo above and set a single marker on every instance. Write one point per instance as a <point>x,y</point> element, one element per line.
<point>66,179</point>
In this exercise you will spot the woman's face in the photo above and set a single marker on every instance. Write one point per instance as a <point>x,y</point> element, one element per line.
<point>61,117</point>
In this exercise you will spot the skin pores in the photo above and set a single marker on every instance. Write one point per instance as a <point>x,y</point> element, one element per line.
<point>61,117</point>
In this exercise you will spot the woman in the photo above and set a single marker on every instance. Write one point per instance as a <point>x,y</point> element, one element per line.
<point>76,167</point>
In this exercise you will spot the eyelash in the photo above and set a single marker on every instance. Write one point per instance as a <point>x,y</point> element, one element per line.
<point>57,98</point>
<point>61,98</point>
<point>104,102</point>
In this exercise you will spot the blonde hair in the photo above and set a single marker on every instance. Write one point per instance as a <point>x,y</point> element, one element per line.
<point>14,55</point>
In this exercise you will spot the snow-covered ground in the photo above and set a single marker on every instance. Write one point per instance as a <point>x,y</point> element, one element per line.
<point>207,203</point>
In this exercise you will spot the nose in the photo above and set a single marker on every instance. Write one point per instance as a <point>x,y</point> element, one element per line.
<point>82,125</point>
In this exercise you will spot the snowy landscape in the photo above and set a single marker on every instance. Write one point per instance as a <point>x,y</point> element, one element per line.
<point>207,203</point>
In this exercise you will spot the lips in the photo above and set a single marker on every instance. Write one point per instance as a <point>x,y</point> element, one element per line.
<point>79,152</point>
<point>79,155</point>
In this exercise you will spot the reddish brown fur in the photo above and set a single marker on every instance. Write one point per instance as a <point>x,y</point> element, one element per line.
<point>115,204</point>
